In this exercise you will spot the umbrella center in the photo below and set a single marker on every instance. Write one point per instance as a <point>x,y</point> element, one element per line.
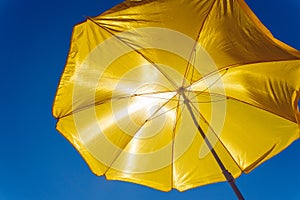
<point>181,90</point>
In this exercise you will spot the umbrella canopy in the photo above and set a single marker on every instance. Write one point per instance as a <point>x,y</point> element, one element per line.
<point>175,93</point>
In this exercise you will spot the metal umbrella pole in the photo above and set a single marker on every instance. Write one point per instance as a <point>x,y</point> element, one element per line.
<point>230,179</point>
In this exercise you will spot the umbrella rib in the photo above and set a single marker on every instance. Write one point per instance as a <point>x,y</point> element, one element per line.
<point>209,75</point>
<point>130,96</point>
<point>216,135</point>
<point>221,97</point>
<point>138,52</point>
<point>113,98</point>
<point>209,86</point>
<point>196,41</point>
<point>236,65</point>
<point>142,125</point>
<point>193,68</point>
<point>153,97</point>
<point>167,110</point>
<point>229,97</point>
<point>261,108</point>
<point>212,101</point>
<point>120,152</point>
<point>178,115</point>
<point>206,93</point>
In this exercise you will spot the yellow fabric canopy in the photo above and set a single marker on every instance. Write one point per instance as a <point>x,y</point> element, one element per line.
<point>135,73</point>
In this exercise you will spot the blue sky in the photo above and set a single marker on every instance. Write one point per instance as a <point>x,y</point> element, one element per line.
<point>38,163</point>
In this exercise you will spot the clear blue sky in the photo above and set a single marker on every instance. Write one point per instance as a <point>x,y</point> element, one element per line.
<point>37,163</point>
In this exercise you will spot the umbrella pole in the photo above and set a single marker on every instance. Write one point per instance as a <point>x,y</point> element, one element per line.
<point>230,179</point>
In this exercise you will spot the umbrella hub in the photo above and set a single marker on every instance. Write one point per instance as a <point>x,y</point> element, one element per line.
<point>181,90</point>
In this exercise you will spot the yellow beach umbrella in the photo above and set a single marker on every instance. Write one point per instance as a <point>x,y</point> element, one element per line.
<point>178,93</point>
